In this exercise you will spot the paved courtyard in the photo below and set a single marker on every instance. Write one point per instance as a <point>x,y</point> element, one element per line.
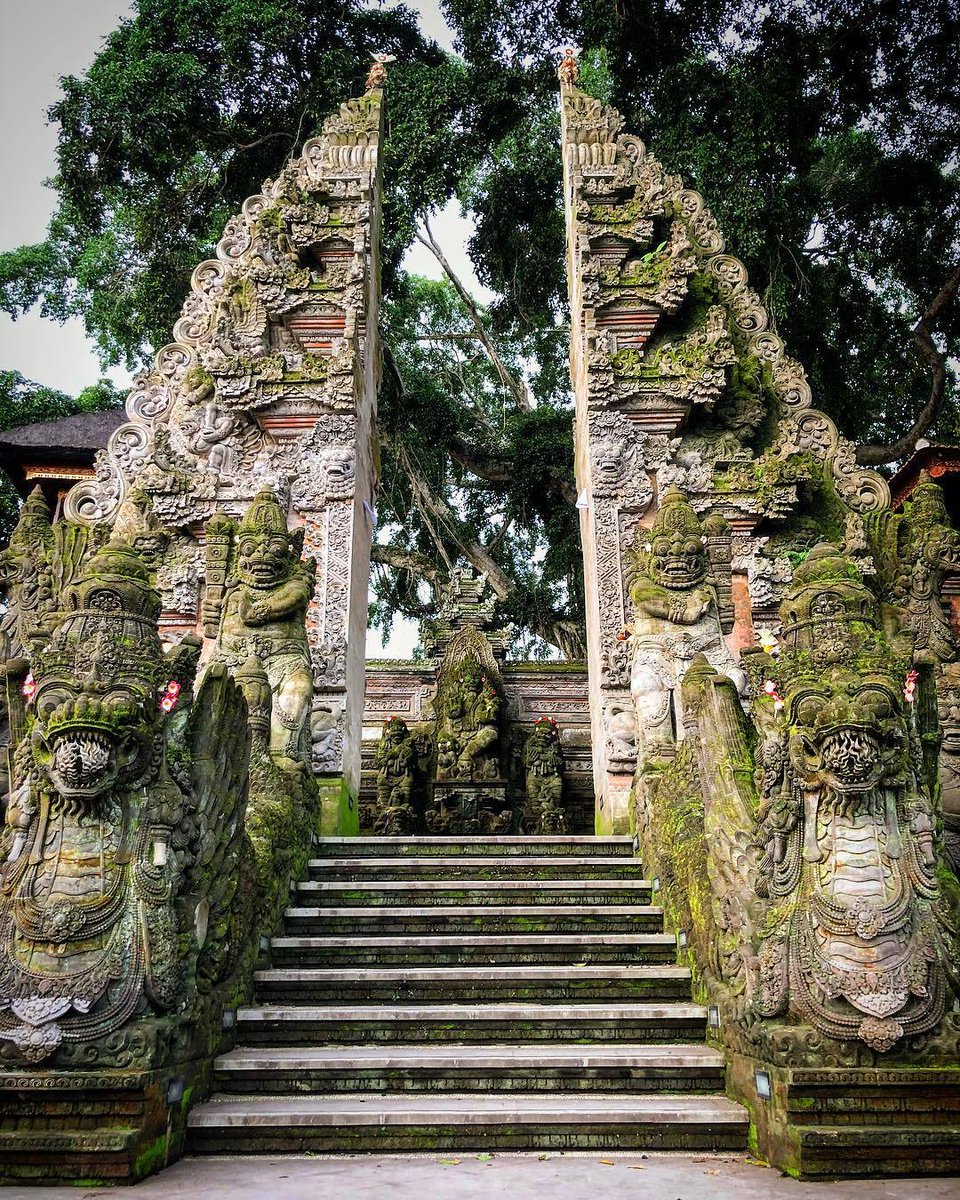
<point>478,1176</point>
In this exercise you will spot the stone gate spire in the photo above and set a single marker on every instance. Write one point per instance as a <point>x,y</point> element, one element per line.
<point>271,381</point>
<point>663,321</point>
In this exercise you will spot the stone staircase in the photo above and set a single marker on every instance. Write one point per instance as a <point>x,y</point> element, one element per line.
<point>468,994</point>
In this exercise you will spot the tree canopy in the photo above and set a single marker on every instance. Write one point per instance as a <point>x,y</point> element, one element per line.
<point>823,135</point>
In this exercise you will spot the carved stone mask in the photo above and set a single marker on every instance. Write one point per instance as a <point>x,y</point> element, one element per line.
<point>96,703</point>
<point>678,562</point>
<point>264,553</point>
<point>848,729</point>
<point>675,557</point>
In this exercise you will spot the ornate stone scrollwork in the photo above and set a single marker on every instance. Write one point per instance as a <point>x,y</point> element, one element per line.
<point>814,433</point>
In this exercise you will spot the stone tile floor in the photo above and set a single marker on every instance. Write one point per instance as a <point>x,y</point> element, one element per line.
<point>571,1176</point>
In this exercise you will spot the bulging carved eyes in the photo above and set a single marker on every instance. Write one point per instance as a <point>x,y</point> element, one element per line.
<point>810,708</point>
<point>50,699</point>
<point>875,702</point>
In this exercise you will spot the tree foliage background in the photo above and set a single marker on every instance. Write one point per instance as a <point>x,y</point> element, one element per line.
<point>823,134</point>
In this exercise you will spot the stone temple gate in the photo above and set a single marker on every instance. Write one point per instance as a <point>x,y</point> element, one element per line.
<point>772,697</point>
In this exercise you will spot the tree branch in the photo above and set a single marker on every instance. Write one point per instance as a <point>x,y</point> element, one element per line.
<point>480,462</point>
<point>516,387</point>
<point>872,455</point>
<point>407,560</point>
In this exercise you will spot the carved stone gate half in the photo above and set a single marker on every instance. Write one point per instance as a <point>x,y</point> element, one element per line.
<point>661,320</point>
<point>271,382</point>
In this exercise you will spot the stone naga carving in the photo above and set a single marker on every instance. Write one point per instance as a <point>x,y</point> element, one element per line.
<point>543,760</point>
<point>125,790</point>
<point>676,617</point>
<point>396,762</point>
<point>846,826</point>
<point>258,612</point>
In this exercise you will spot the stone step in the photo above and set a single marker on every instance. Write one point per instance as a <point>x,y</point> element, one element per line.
<point>462,866</point>
<point>462,1068</point>
<point>413,893</point>
<point>307,1025</point>
<point>421,847</point>
<point>865,1096</point>
<point>268,1124</point>
<point>473,985</point>
<point>446,920</point>
<point>472,950</point>
<point>832,1151</point>
<point>96,1155</point>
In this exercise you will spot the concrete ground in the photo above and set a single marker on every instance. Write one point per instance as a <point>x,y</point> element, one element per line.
<point>572,1176</point>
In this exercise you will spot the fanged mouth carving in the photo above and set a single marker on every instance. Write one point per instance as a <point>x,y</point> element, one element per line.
<point>82,759</point>
<point>851,756</point>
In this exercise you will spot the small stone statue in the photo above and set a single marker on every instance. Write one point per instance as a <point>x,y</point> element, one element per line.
<point>469,734</point>
<point>262,615</point>
<point>676,618</point>
<point>543,759</point>
<point>26,580</point>
<point>396,763</point>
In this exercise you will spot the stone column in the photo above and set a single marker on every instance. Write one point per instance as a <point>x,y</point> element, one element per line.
<point>621,424</point>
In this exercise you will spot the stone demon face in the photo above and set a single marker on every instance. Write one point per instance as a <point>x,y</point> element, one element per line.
<point>395,732</point>
<point>96,704</point>
<point>678,560</point>
<point>340,472</point>
<point>849,730</point>
<point>263,559</point>
<point>265,555</point>
<point>609,466</point>
<point>675,556</point>
<point>544,734</point>
<point>93,733</point>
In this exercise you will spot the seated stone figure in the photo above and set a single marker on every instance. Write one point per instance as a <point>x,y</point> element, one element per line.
<point>676,617</point>
<point>468,735</point>
<point>262,615</point>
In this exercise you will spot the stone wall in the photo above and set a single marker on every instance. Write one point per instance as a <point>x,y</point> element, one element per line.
<point>532,691</point>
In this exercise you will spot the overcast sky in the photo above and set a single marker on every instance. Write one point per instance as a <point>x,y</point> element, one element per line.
<point>40,41</point>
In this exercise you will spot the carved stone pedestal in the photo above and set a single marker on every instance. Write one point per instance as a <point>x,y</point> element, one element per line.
<point>470,809</point>
<point>834,1122</point>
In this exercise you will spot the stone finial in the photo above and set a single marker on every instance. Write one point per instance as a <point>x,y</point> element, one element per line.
<point>377,75</point>
<point>568,69</point>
